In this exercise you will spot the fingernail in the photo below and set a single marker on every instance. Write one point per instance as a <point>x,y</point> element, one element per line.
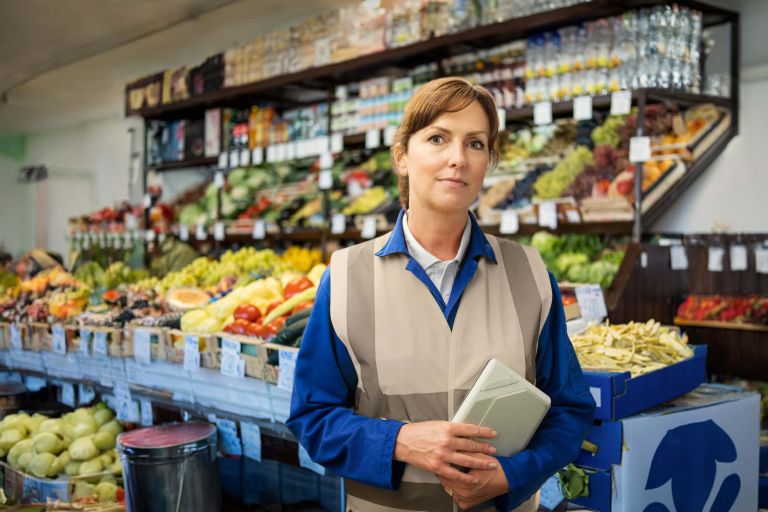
<point>492,465</point>
<point>494,433</point>
<point>493,450</point>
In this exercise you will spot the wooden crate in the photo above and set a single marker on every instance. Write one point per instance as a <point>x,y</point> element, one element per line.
<point>45,334</point>
<point>115,338</point>
<point>206,344</point>
<point>158,338</point>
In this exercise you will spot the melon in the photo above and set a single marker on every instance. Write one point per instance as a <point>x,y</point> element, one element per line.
<point>184,299</point>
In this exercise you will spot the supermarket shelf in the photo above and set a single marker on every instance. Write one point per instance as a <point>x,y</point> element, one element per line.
<point>712,324</point>
<point>184,164</point>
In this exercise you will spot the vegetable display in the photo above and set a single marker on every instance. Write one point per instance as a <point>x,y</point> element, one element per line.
<point>747,310</point>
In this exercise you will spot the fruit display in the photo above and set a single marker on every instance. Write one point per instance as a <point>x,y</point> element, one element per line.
<point>636,347</point>
<point>752,309</point>
<point>550,185</point>
<point>51,295</point>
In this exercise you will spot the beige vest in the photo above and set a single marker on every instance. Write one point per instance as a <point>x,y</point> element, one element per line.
<point>411,366</point>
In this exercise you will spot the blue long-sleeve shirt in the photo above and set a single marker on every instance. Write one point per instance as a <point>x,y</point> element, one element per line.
<point>361,448</point>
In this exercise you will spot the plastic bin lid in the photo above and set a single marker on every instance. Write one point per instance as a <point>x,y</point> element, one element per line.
<point>168,440</point>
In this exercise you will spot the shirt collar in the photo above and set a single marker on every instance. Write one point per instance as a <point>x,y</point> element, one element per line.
<point>425,258</point>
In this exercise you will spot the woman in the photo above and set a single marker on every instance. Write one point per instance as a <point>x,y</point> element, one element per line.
<point>403,325</point>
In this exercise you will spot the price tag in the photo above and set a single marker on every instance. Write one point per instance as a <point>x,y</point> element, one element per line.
<point>15,337</point>
<point>502,114</point>
<point>231,346</point>
<point>85,394</point>
<point>338,223</point>
<point>229,442</point>
<point>582,108</point>
<point>161,237</point>
<point>621,103</point>
<point>218,231</point>
<point>644,260</point>
<point>639,149</point>
<point>85,341</point>
<point>184,232</point>
<point>191,353</point>
<point>287,368</point>
<point>68,395</point>
<point>307,463</point>
<point>142,347</point>
<point>146,413</point>
<point>270,153</point>
<point>232,365</point>
<point>738,257</point>
<point>548,214</point>
<point>234,159</point>
<point>124,402</point>
<point>200,232</point>
<point>59,339</point>
<point>257,156</point>
<point>372,139</point>
<point>542,113</point>
<point>326,161</point>
<point>369,227</point>
<point>761,261</point>
<point>87,242</point>
<point>678,257</point>
<point>149,235</point>
<point>259,230</point>
<point>325,180</point>
<point>291,151</point>
<point>245,157</point>
<point>251,440</point>
<point>100,347</point>
<point>715,259</point>
<point>323,53</point>
<point>591,302</point>
<point>337,143</point>
<point>128,241</point>
<point>279,152</point>
<point>389,135</point>
<point>572,216</point>
<point>218,179</point>
<point>146,201</point>
<point>510,222</point>
<point>223,161</point>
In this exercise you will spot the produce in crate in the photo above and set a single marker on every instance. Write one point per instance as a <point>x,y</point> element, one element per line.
<point>752,309</point>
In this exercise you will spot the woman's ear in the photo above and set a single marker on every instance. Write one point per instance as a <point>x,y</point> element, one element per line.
<point>401,166</point>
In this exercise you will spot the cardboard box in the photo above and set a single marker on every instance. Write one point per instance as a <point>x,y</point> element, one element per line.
<point>700,449</point>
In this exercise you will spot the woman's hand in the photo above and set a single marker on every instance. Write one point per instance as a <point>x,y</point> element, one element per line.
<point>437,445</point>
<point>490,483</point>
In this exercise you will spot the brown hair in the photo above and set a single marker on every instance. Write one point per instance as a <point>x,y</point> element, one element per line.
<point>431,100</point>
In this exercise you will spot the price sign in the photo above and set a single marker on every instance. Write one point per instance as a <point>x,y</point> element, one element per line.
<point>124,402</point>
<point>738,257</point>
<point>338,223</point>
<point>542,113</point>
<point>326,161</point>
<point>307,463</point>
<point>323,51</point>
<point>548,215</point>
<point>142,347</point>
<point>582,108</point>
<point>259,230</point>
<point>251,440</point>
<point>369,227</point>
<point>149,235</point>
<point>85,341</point>
<point>86,394</point>
<point>231,346</point>
<point>644,260</point>
<point>761,261</point>
<point>678,257</point>
<point>229,442</point>
<point>372,139</point>
<point>218,231</point>
<point>715,260</point>
<point>287,368</point>
<point>232,365</point>
<point>15,337</point>
<point>572,216</point>
<point>510,222</point>
<point>245,157</point>
<point>146,201</point>
<point>191,353</point>
<point>184,232</point>
<point>591,302</point>
<point>68,395</point>
<point>100,347</point>
<point>218,179</point>
<point>325,180</point>
<point>621,103</point>
<point>59,339</point>
<point>257,156</point>
<point>234,159</point>
<point>146,413</point>
<point>389,135</point>
<point>200,232</point>
<point>639,149</point>
<point>223,161</point>
<point>337,143</point>
<point>502,115</point>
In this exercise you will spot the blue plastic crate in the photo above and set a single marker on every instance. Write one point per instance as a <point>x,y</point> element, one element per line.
<point>608,436</point>
<point>599,492</point>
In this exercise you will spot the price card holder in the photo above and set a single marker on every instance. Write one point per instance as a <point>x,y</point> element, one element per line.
<point>678,257</point>
<point>338,223</point>
<point>582,108</point>
<point>639,149</point>
<point>621,103</point>
<point>124,402</point>
<point>149,235</point>
<point>142,347</point>
<point>16,337</point>
<point>591,302</point>
<point>761,261</point>
<point>542,113</point>
<point>100,347</point>
<point>223,161</point>
<point>251,440</point>
<point>200,233</point>
<point>369,227</point>
<point>85,394</point>
<point>184,232</point>
<point>257,156</point>
<point>229,441</point>
<point>502,115</point>
<point>231,363</point>
<point>738,258</point>
<point>245,157</point>
<point>643,260</point>
<point>372,139</point>
<point>68,395</point>
<point>337,143</point>
<point>325,180</point>
<point>510,222</point>
<point>548,214</point>
<point>147,419</point>
<point>287,368</point>
<point>146,201</point>
<point>389,135</point>
<point>191,353</point>
<point>307,463</point>
<point>326,161</point>
<point>85,341</point>
<point>259,230</point>
<point>715,259</point>
<point>219,233</point>
<point>234,159</point>
<point>59,339</point>
<point>572,216</point>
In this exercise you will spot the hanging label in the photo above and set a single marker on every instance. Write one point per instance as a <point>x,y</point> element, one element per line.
<point>621,103</point>
<point>128,241</point>
<point>191,353</point>
<point>548,214</point>
<point>287,368</point>
<point>142,347</point>
<point>234,159</point>
<point>100,347</point>
<point>223,161</point>
<point>184,232</point>
<point>644,260</point>
<point>639,149</point>
<point>369,227</point>
<point>338,223</point>
<point>218,179</point>
<point>761,261</point>
<point>389,135</point>
<point>270,153</point>
<point>251,440</point>
<point>307,463</point>
<point>502,115</point>
<point>232,365</point>
<point>326,161</point>
<point>149,235</point>
<point>146,413</point>
<point>146,201</point>
<point>510,222</point>
<point>738,258</point>
<point>124,402</point>
<point>337,143</point>
<point>325,180</point>
<point>68,395</point>
<point>372,139</point>
<point>591,302</point>
<point>218,231</point>
<point>229,442</point>
<point>85,341</point>
<point>259,230</point>
<point>231,346</point>
<point>678,257</point>
<point>59,339</point>
<point>715,259</point>
<point>15,337</point>
<point>582,108</point>
<point>200,232</point>
<point>85,394</point>
<point>245,157</point>
<point>572,216</point>
<point>291,151</point>
<point>161,237</point>
<point>542,113</point>
<point>280,152</point>
<point>257,156</point>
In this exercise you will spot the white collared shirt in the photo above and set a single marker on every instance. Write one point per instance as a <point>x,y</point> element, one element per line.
<point>441,272</point>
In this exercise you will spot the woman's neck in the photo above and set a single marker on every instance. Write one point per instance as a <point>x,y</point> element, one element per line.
<point>440,234</point>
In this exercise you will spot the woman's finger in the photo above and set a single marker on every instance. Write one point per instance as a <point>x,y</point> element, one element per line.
<point>452,474</point>
<point>466,460</point>
<point>470,445</point>
<point>469,430</point>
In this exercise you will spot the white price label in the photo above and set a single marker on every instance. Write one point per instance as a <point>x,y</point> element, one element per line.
<point>257,156</point>
<point>591,302</point>
<point>124,402</point>
<point>502,115</point>
<point>231,346</point>
<point>715,259</point>
<point>323,51</point>
<point>542,113</point>
<point>639,149</point>
<point>325,180</point>
<point>270,153</point>
<point>232,365</point>
<point>245,157</point>
<point>738,255</point>
<point>147,419</point>
<point>338,223</point>
<point>59,339</point>
<point>369,227</point>
<point>15,337</point>
<point>85,394</point>
<point>218,179</point>
<point>291,151</point>
<point>678,257</point>
<point>287,368</point>
<point>548,215</point>
<point>572,216</point>
<point>223,161</point>
<point>68,395</point>
<point>218,231</point>
<point>644,260</point>
<point>146,201</point>
<point>184,232</point>
<point>761,261</point>
<point>306,462</point>
<point>259,230</point>
<point>337,143</point>
<point>251,440</point>
<point>510,222</point>
<point>582,108</point>
<point>100,347</point>
<point>85,341</point>
<point>200,233</point>
<point>149,235</point>
<point>389,135</point>
<point>229,442</point>
<point>234,159</point>
<point>326,161</point>
<point>280,151</point>
<point>191,353</point>
<point>372,139</point>
<point>161,237</point>
<point>128,241</point>
<point>142,346</point>
<point>621,103</point>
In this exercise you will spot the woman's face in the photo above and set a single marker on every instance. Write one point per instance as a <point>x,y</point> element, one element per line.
<point>446,161</point>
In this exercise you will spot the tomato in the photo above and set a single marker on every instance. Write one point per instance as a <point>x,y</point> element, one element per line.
<point>247,312</point>
<point>278,323</point>
<point>298,285</point>
<point>120,495</point>
<point>303,306</point>
<point>259,330</point>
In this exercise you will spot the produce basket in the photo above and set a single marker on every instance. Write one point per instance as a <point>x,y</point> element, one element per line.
<point>109,336</point>
<point>5,341</point>
<point>207,345</point>
<point>158,339</point>
<point>23,330</point>
<point>260,357</point>
<point>45,334</point>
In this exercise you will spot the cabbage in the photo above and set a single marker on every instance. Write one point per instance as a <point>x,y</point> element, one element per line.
<point>113,427</point>
<point>107,492</point>
<point>11,437</point>
<point>544,242</point>
<point>40,465</point>
<point>47,442</point>
<point>73,468</point>
<point>83,449</point>
<point>104,440</point>
<point>102,416</point>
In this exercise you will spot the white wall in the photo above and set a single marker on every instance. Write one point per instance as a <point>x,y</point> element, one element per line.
<point>17,215</point>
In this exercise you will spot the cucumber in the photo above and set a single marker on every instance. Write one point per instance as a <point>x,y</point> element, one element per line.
<point>290,332</point>
<point>304,313</point>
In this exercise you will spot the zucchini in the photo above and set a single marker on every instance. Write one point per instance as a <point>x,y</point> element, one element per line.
<point>304,313</point>
<point>290,332</point>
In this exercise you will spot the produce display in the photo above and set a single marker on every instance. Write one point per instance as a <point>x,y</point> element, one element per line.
<point>52,294</point>
<point>741,310</point>
<point>636,347</point>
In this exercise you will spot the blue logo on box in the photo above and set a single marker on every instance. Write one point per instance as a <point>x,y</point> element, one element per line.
<point>688,456</point>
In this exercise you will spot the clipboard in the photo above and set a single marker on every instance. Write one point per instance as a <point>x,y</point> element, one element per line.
<point>506,402</point>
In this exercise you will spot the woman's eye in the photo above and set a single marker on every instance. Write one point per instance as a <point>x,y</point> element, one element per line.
<point>476,144</point>
<point>436,139</point>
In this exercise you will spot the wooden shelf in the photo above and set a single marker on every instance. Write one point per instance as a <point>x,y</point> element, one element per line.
<point>713,324</point>
<point>184,164</point>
